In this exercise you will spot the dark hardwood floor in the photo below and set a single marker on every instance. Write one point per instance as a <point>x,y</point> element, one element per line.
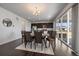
<point>8,49</point>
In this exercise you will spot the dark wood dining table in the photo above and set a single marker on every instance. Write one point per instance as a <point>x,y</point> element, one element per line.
<point>44,37</point>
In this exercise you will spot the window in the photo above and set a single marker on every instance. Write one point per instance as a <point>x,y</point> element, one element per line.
<point>65,37</point>
<point>64,18</point>
<point>64,27</point>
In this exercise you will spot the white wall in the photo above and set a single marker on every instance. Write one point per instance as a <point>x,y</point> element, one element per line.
<point>8,34</point>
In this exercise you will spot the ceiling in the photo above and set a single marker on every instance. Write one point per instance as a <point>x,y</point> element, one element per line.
<point>48,11</point>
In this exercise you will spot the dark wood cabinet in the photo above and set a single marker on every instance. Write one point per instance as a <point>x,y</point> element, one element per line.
<point>40,25</point>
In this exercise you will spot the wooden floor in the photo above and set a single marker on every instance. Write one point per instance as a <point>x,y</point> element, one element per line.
<point>9,50</point>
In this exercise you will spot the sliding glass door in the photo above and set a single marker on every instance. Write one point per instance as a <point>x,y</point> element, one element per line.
<point>64,27</point>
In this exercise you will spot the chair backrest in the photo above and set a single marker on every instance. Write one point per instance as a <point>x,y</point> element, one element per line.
<point>52,34</point>
<point>38,37</point>
<point>28,37</point>
<point>23,34</point>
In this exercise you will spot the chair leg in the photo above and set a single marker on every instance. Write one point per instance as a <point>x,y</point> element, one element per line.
<point>42,46</point>
<point>25,44</point>
<point>45,43</point>
<point>35,45</point>
<point>49,43</point>
<point>31,45</point>
<point>54,44</point>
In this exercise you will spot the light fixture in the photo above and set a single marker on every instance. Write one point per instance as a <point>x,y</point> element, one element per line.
<point>36,11</point>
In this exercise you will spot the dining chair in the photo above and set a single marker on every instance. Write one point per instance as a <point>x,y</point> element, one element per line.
<point>38,39</point>
<point>52,39</point>
<point>28,39</point>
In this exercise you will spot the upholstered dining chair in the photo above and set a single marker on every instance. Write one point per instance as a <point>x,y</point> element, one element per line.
<point>38,39</point>
<point>52,39</point>
<point>28,39</point>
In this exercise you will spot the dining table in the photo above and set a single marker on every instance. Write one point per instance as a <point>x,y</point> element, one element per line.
<point>45,35</point>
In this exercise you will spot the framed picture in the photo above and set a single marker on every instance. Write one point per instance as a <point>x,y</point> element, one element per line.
<point>7,22</point>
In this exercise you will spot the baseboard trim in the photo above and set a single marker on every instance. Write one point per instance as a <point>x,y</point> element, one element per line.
<point>8,41</point>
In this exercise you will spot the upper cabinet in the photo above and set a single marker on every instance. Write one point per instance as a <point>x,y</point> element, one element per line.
<point>40,25</point>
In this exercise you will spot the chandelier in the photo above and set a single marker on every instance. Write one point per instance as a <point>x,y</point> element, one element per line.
<point>36,11</point>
